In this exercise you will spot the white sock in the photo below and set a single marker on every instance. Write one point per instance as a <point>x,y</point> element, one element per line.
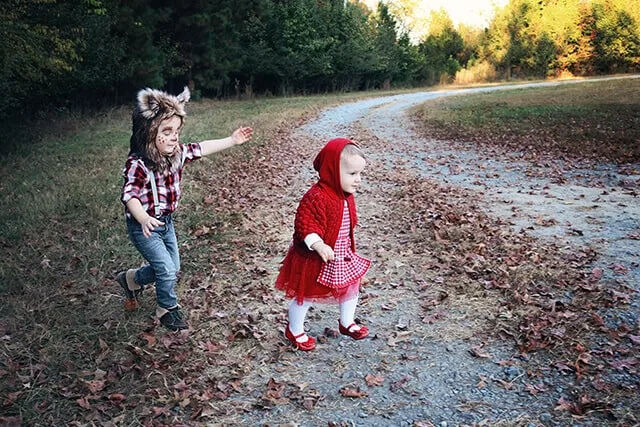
<point>348,313</point>
<point>297,314</point>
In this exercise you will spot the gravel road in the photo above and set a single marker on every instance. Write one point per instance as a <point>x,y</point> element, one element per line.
<point>413,373</point>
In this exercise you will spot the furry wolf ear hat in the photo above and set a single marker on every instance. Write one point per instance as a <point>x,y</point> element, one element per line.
<point>152,107</point>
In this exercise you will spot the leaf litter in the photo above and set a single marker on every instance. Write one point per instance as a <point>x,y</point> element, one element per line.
<point>473,323</point>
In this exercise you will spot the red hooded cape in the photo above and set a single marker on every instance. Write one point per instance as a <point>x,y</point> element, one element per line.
<point>320,212</point>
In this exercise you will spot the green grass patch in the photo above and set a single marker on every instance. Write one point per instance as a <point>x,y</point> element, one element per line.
<point>597,120</point>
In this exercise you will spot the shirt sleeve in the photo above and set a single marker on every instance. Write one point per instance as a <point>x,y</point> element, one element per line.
<point>192,152</point>
<point>135,178</point>
<point>311,239</point>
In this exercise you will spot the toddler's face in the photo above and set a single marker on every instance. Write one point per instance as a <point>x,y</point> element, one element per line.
<point>168,135</point>
<point>351,167</point>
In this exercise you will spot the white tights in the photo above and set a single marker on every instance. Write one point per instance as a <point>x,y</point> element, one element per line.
<point>298,312</point>
<point>348,313</point>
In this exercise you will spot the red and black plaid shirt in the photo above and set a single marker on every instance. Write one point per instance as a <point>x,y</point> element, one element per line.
<point>138,185</point>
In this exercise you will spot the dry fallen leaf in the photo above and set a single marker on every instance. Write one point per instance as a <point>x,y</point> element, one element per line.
<point>374,380</point>
<point>477,351</point>
<point>350,392</point>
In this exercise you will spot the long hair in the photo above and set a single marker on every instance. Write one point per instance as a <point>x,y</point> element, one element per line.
<point>152,108</point>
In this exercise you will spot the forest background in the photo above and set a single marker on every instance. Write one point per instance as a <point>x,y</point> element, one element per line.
<point>89,54</point>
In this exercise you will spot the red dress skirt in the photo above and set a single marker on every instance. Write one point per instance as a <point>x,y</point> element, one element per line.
<point>338,280</point>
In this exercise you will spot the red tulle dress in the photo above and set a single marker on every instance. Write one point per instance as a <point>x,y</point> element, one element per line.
<point>337,280</point>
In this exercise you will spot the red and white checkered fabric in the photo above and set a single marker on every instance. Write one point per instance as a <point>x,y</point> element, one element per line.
<point>347,266</point>
<point>138,185</point>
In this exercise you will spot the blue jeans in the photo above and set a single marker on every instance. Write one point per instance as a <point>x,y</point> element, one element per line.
<point>161,252</point>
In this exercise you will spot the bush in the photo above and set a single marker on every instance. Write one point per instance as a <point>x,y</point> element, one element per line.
<point>477,73</point>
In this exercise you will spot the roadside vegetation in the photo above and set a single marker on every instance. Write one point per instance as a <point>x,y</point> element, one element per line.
<point>81,54</point>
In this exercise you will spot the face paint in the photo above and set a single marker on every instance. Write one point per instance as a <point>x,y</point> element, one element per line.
<point>168,136</point>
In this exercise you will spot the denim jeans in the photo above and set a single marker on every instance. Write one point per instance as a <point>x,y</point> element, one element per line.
<point>161,252</point>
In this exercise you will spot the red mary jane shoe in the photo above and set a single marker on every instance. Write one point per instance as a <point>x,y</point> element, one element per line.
<point>363,332</point>
<point>307,345</point>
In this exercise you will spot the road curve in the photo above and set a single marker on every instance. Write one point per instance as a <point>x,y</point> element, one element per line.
<point>596,205</point>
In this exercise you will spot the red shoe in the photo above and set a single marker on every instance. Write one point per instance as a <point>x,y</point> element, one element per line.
<point>363,332</point>
<point>307,345</point>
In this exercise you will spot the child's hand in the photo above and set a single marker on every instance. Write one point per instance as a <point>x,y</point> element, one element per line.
<point>149,224</point>
<point>241,135</point>
<point>325,251</point>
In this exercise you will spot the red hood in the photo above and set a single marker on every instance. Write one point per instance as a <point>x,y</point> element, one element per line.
<point>327,163</point>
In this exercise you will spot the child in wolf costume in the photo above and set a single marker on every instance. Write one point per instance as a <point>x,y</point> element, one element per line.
<point>151,193</point>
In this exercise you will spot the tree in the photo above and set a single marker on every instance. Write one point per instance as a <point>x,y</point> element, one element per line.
<point>441,49</point>
<point>354,58</point>
<point>34,49</point>
<point>617,42</point>
<point>386,48</point>
<point>544,55</point>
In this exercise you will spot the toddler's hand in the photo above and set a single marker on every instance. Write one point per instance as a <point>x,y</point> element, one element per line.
<point>241,135</point>
<point>325,251</point>
<point>149,225</point>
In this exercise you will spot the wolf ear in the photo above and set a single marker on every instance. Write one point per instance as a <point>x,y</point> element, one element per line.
<point>185,96</point>
<point>149,102</point>
<point>152,101</point>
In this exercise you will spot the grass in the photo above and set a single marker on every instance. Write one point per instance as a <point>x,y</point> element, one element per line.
<point>62,234</point>
<point>595,120</point>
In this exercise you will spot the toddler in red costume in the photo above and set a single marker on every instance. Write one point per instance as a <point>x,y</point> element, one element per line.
<point>322,264</point>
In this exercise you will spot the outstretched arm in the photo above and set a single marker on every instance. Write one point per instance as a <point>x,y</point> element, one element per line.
<point>239,136</point>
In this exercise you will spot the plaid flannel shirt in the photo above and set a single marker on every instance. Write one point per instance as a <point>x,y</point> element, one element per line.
<point>138,185</point>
